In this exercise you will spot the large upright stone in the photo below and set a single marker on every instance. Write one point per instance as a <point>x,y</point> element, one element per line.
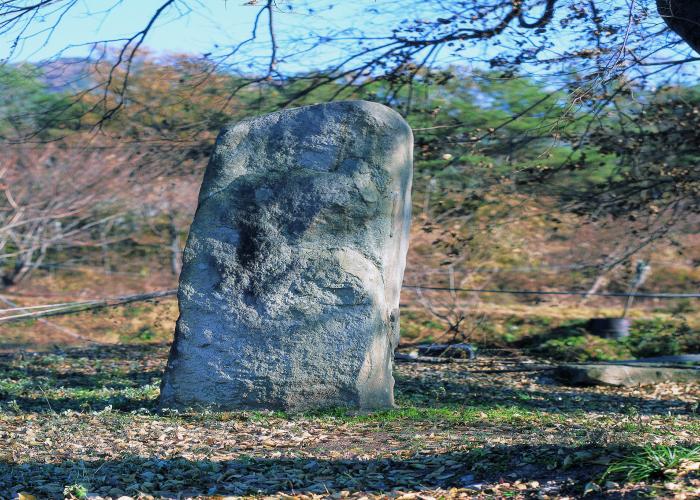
<point>289,292</point>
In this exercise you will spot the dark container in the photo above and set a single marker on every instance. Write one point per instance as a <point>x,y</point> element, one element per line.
<point>459,351</point>
<point>609,328</point>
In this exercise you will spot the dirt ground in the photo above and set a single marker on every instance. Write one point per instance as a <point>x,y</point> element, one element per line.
<point>82,423</point>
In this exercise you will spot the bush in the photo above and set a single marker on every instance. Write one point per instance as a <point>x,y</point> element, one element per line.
<point>660,337</point>
<point>654,463</point>
<point>583,348</point>
<point>648,338</point>
<point>77,491</point>
<point>145,334</point>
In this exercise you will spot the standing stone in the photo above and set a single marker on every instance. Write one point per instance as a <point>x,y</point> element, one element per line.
<point>289,291</point>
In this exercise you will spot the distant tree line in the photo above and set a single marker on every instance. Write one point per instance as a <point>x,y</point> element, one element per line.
<point>485,147</point>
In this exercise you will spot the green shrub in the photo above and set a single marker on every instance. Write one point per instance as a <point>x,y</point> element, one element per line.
<point>136,310</point>
<point>653,463</point>
<point>145,334</point>
<point>569,328</point>
<point>516,329</point>
<point>682,306</point>
<point>661,337</point>
<point>75,491</point>
<point>688,338</point>
<point>582,348</point>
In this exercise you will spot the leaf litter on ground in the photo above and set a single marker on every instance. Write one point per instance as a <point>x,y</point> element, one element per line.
<point>85,420</point>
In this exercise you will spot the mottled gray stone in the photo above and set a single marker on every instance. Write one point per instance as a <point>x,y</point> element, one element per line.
<point>289,291</point>
<point>630,374</point>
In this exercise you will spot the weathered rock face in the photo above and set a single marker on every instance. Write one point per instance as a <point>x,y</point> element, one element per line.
<point>290,286</point>
<point>625,373</point>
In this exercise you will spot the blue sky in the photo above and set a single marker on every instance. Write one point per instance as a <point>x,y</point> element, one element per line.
<point>216,22</point>
<point>221,22</point>
<point>227,23</point>
<point>211,22</point>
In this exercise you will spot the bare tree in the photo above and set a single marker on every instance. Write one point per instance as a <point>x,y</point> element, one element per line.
<point>683,17</point>
<point>592,40</point>
<point>591,50</point>
<point>54,199</point>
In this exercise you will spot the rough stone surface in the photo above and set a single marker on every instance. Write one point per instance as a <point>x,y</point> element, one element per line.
<point>289,291</point>
<point>624,375</point>
<point>667,360</point>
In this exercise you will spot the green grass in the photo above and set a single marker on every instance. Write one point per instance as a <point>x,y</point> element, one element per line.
<point>100,402</point>
<point>653,463</point>
<point>75,491</point>
<point>570,340</point>
<point>136,310</point>
<point>453,414</point>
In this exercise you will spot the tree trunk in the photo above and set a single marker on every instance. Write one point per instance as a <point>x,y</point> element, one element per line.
<point>683,17</point>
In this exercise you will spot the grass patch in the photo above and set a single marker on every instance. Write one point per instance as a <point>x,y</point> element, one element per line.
<point>410,414</point>
<point>455,426</point>
<point>583,348</point>
<point>571,341</point>
<point>503,415</point>
<point>77,491</point>
<point>654,463</point>
<point>660,337</point>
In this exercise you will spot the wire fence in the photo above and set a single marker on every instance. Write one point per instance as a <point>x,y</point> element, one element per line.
<point>21,313</point>
<point>61,309</point>
<point>581,293</point>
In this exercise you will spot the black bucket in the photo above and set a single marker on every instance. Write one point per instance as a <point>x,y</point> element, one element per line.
<point>609,328</point>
